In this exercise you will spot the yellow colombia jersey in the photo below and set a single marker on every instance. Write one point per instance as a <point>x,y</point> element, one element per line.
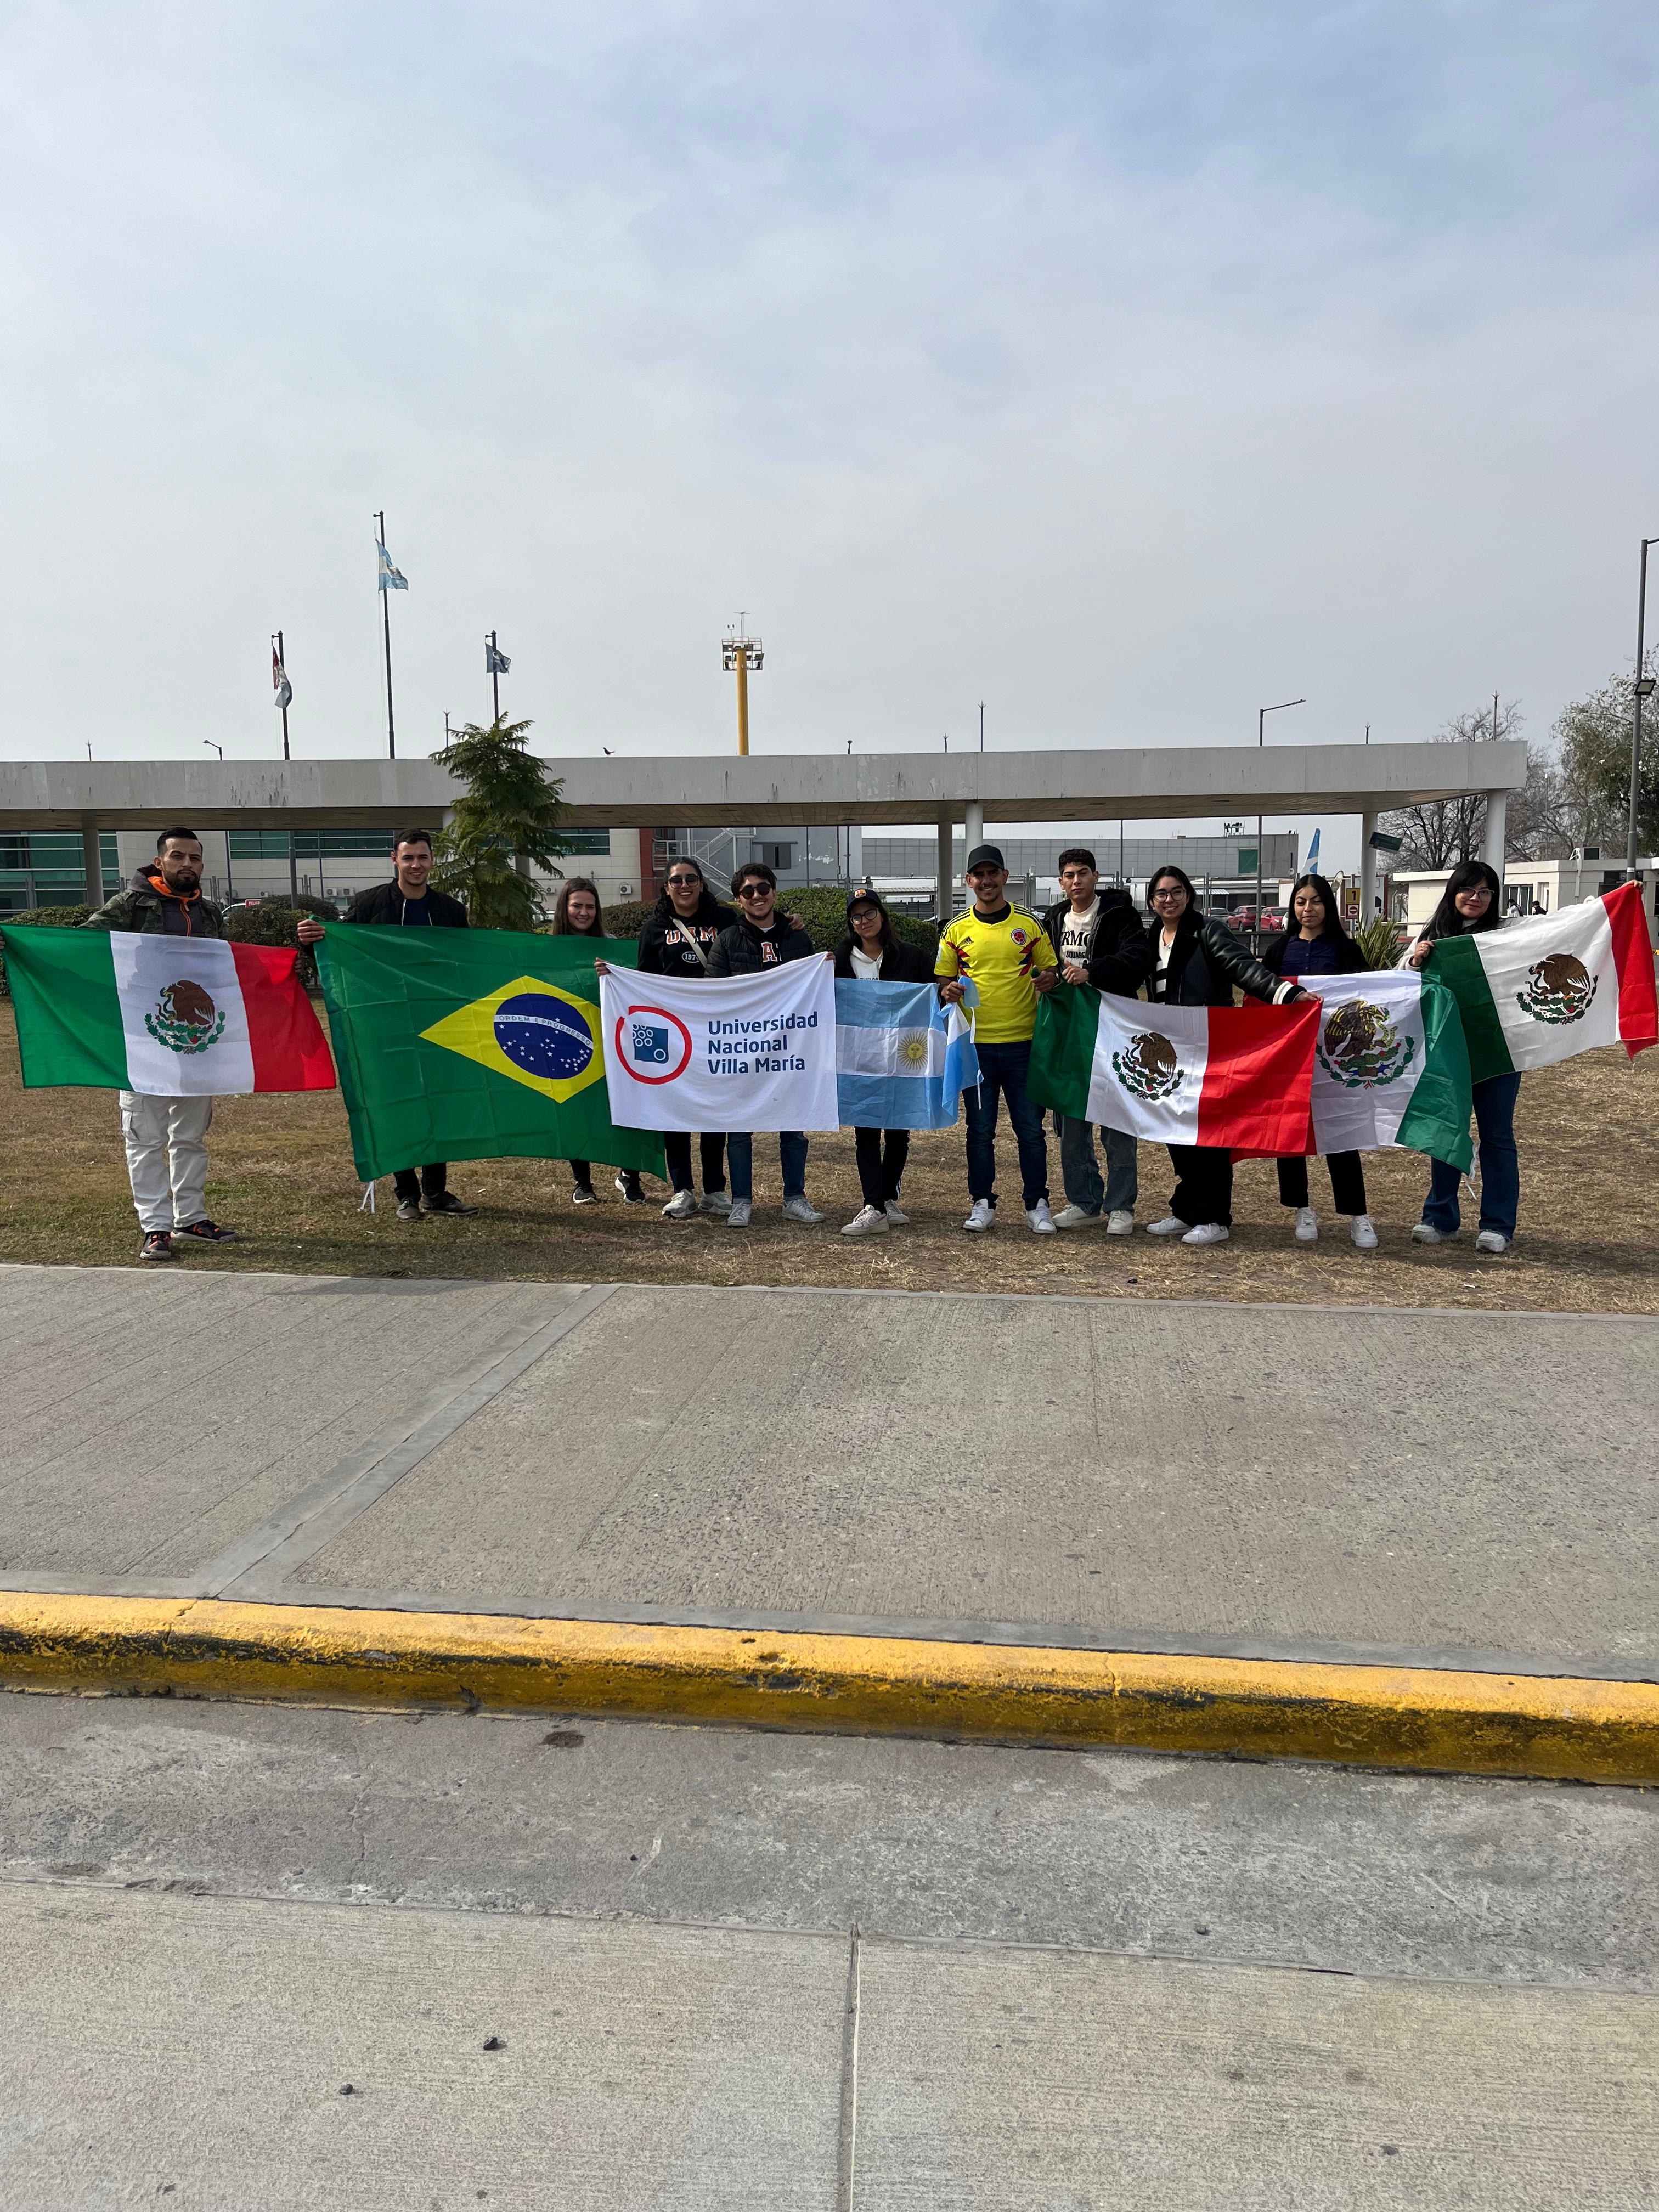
<point>998,957</point>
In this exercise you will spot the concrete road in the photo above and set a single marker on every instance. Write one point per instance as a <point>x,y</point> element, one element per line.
<point>1470,1490</point>
<point>728,1969</point>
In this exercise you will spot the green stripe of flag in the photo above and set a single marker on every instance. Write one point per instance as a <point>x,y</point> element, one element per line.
<point>1063,1050</point>
<point>1436,1122</point>
<point>1457,963</point>
<point>68,1011</point>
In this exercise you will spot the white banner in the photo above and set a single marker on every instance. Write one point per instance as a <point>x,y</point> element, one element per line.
<point>730,1052</point>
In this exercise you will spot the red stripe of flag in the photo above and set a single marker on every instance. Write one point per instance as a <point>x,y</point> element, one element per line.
<point>1258,1082</point>
<point>290,1052</point>
<point>1632,953</point>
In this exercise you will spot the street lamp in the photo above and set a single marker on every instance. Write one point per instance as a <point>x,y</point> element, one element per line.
<point>1643,689</point>
<point>1261,715</point>
<point>742,652</point>
<point>218,749</point>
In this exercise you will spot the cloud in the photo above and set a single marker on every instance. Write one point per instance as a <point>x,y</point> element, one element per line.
<point>1123,368</point>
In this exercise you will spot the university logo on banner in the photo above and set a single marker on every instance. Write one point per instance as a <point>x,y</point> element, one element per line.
<point>531,1031</point>
<point>737,1052</point>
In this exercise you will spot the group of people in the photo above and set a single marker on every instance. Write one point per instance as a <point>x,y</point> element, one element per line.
<point>1091,936</point>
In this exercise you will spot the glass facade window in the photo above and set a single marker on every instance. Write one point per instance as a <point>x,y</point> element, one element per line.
<point>42,867</point>
<point>310,844</point>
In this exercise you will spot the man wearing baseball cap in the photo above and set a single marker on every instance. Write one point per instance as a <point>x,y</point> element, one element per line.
<point>1005,953</point>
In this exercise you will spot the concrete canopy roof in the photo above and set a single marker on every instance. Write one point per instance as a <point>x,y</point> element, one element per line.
<point>781,789</point>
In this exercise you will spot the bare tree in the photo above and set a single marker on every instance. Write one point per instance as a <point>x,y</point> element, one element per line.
<point>1593,734</point>
<point>1439,831</point>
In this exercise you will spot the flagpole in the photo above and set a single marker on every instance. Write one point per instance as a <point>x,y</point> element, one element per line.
<point>386,625</point>
<point>292,860</point>
<point>494,677</point>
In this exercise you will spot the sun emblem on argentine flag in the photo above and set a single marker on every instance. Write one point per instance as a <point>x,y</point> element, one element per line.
<point>914,1051</point>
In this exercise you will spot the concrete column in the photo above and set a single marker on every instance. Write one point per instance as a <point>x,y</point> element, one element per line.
<point>947,867</point>
<point>1491,846</point>
<point>1367,866</point>
<point>92,860</point>
<point>974,828</point>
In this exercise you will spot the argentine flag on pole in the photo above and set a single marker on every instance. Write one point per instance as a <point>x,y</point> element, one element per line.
<point>903,1060</point>
<point>390,579</point>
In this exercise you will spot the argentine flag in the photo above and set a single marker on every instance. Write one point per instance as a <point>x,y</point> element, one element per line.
<point>901,1060</point>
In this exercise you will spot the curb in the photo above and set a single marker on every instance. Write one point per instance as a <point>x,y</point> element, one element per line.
<point>1545,1727</point>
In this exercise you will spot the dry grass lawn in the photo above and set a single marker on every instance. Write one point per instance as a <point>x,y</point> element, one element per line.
<point>283,1174</point>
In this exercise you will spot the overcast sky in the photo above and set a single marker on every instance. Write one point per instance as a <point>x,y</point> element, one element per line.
<point>1124,366</point>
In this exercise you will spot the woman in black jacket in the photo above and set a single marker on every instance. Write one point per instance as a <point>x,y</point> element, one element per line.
<point>1316,944</point>
<point>576,913</point>
<point>677,939</point>
<point>1195,962</point>
<point>871,953</point>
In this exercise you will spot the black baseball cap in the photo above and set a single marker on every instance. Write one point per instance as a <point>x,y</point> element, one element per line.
<point>985,856</point>
<point>865,896</point>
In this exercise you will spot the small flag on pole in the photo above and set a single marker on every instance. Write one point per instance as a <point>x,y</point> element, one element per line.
<point>1313,853</point>
<point>390,579</point>
<point>496,661</point>
<point>283,688</point>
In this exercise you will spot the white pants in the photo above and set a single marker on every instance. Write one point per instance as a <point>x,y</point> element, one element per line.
<point>167,1158</point>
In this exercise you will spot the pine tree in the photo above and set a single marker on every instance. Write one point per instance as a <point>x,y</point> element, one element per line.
<point>508,819</point>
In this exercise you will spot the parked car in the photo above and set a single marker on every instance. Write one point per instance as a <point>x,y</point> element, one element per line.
<point>1274,917</point>
<point>1242,917</point>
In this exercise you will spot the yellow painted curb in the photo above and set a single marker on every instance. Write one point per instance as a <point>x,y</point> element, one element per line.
<point>1584,1731</point>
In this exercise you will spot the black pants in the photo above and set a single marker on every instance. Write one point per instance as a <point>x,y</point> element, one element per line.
<point>581,1172</point>
<point>1347,1182</point>
<point>878,1177</point>
<point>711,1147</point>
<point>428,1182</point>
<point>1203,1191</point>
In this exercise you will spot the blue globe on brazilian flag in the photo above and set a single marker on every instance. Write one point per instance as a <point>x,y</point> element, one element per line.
<point>468,1044</point>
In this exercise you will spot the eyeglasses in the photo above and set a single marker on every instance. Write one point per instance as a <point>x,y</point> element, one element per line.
<point>1169,891</point>
<point>754,891</point>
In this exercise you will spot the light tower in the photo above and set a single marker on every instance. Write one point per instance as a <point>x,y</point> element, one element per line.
<point>743,652</point>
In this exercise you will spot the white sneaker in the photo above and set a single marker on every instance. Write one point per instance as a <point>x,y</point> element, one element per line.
<point>1491,1240</point>
<point>801,1209</point>
<point>1207,1233</point>
<point>1363,1235</point>
<point>983,1215</point>
<point>737,1214</point>
<point>1042,1221</point>
<point>681,1207</point>
<point>1074,1217</point>
<point>1171,1225</point>
<point>1307,1225</point>
<point>1423,1232</point>
<point>896,1214</point>
<point>715,1201</point>
<point>1121,1222</point>
<point>869,1221</point>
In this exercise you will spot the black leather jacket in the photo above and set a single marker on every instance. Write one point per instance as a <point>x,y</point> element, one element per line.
<point>1206,960</point>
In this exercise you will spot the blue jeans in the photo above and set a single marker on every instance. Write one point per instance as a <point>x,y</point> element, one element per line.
<point>1079,1171</point>
<point>1500,1164</point>
<point>740,1162</point>
<point>1002,1068</point>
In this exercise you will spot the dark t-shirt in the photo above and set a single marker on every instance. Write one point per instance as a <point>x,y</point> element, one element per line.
<point>1302,958</point>
<point>417,913</point>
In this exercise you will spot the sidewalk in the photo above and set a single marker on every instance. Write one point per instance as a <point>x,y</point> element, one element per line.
<point>1348,1488</point>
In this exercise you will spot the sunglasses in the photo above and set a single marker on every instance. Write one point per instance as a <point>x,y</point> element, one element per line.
<point>684,883</point>
<point>755,890</point>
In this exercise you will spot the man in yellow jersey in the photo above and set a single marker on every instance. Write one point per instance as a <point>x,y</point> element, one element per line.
<point>1006,956</point>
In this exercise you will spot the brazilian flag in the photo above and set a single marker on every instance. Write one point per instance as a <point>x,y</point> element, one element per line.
<point>473,1044</point>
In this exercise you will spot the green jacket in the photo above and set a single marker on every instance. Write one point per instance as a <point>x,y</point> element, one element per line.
<point>142,907</point>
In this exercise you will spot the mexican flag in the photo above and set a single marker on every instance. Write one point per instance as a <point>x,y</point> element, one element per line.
<point>168,1017</point>
<point>1237,1076</point>
<point>474,1044</point>
<point>1532,993</point>
<point>1390,1065</point>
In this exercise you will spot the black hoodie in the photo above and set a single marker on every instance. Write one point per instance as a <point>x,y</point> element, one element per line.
<point>663,948</point>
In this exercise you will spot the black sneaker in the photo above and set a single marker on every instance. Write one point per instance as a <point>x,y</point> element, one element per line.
<point>157,1245</point>
<point>628,1184</point>
<point>446,1202</point>
<point>409,1209</point>
<point>207,1232</point>
<point>583,1194</point>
